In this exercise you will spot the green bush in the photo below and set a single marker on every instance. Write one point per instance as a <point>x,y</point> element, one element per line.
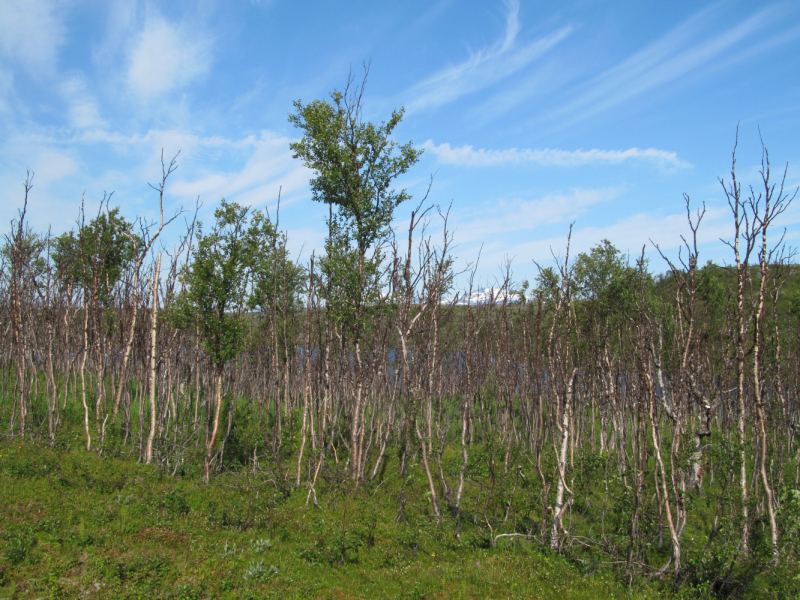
<point>175,502</point>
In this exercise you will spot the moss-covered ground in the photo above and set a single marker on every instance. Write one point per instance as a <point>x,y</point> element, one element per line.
<point>75,525</point>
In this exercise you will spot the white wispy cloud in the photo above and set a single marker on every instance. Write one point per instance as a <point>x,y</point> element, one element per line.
<point>30,33</point>
<point>258,166</point>
<point>638,231</point>
<point>485,67</point>
<point>83,109</point>
<point>630,234</point>
<point>469,156</point>
<point>681,53</point>
<point>165,57</point>
<point>518,215</point>
<point>250,170</point>
<point>54,164</point>
<point>53,197</point>
<point>268,168</point>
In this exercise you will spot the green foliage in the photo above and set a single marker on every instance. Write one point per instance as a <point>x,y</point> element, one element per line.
<point>604,278</point>
<point>597,271</point>
<point>711,287</point>
<point>96,256</point>
<point>215,285</point>
<point>25,252</point>
<point>789,517</point>
<point>355,163</point>
<point>548,284</point>
<point>138,541</point>
<point>241,263</point>
<point>350,283</point>
<point>18,545</point>
<point>259,546</point>
<point>175,502</point>
<point>257,570</point>
<point>794,305</point>
<point>276,281</point>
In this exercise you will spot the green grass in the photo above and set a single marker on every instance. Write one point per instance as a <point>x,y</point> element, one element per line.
<point>76,525</point>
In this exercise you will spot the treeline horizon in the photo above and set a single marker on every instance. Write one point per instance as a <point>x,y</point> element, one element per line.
<point>647,422</point>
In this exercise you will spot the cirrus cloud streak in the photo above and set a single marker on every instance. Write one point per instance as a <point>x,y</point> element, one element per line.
<point>469,156</point>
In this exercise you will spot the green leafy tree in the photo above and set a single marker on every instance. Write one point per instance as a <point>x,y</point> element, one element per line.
<point>547,284</point>
<point>607,282</point>
<point>96,255</point>
<point>276,280</point>
<point>598,271</point>
<point>275,293</point>
<point>241,263</point>
<point>28,250</point>
<point>355,163</point>
<point>94,259</point>
<point>214,296</point>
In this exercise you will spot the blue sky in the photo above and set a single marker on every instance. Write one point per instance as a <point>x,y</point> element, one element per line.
<point>532,114</point>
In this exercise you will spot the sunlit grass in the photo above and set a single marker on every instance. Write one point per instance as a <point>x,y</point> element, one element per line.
<point>75,525</point>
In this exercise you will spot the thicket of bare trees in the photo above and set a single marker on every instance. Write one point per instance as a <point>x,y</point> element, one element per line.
<point>648,422</point>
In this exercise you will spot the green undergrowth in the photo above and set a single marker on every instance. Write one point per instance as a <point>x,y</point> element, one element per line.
<point>73,525</point>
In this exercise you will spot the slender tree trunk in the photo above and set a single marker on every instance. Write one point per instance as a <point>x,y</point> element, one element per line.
<point>215,425</point>
<point>148,453</point>
<point>355,464</point>
<point>561,486</point>
<point>426,464</point>
<point>128,347</point>
<point>83,371</point>
<point>306,372</point>
<point>757,383</point>
<point>664,495</point>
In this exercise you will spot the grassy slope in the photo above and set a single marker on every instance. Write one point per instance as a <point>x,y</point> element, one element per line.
<point>75,525</point>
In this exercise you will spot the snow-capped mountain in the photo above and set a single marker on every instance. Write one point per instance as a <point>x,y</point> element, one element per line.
<point>489,295</point>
